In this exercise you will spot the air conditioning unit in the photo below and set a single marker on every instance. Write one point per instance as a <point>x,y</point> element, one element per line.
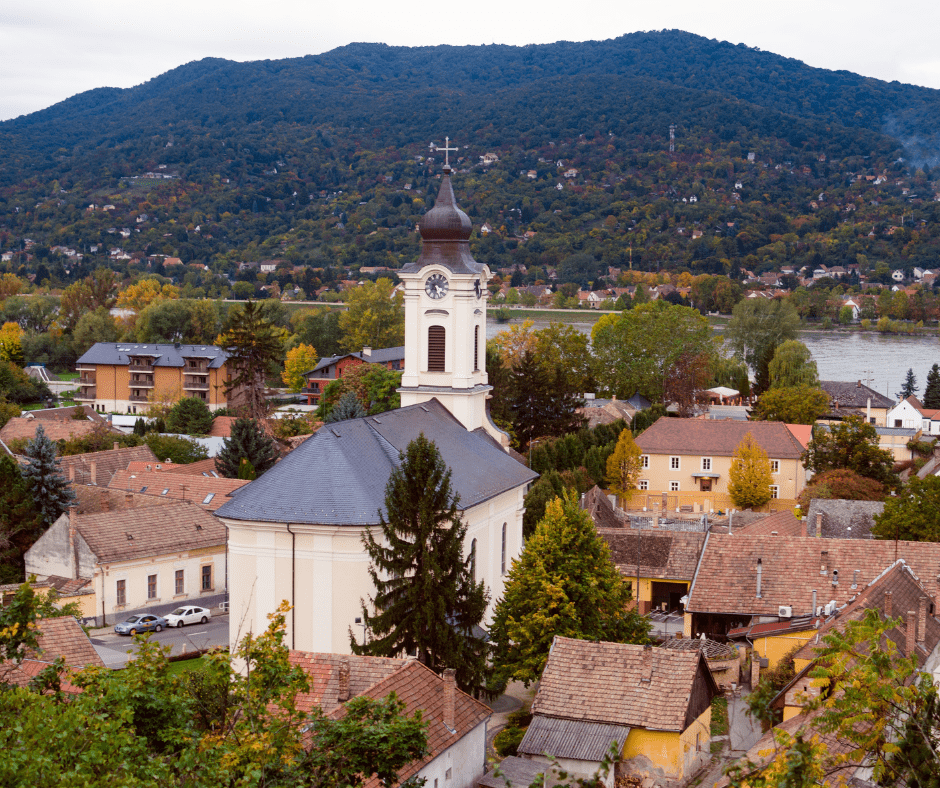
<point>785,611</point>
<point>830,608</point>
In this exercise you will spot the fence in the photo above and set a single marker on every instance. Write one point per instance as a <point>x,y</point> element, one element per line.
<point>694,502</point>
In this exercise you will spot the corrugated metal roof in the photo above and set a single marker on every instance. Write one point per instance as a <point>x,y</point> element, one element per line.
<point>584,741</point>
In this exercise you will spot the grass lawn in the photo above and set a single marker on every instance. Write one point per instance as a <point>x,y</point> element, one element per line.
<point>719,721</point>
<point>185,666</point>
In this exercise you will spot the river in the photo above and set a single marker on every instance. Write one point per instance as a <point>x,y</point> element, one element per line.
<point>880,361</point>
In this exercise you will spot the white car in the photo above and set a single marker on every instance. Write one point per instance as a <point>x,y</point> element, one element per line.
<point>187,615</point>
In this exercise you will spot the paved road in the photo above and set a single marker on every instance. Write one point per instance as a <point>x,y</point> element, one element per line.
<point>114,648</point>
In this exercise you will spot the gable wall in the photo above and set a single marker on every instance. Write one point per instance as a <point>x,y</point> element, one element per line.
<point>791,477</point>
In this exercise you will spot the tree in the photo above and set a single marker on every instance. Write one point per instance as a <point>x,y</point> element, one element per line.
<point>426,598</point>
<point>757,328</point>
<point>318,328</point>
<point>189,416</point>
<point>11,345</point>
<point>851,444</point>
<point>21,521</point>
<point>914,514</point>
<point>686,383</point>
<point>565,584</point>
<point>624,465</point>
<point>247,440</point>
<point>254,344</point>
<point>374,386</point>
<point>299,359</point>
<point>50,489</point>
<point>144,292</point>
<point>540,401</point>
<point>96,326</point>
<point>932,392</point>
<point>909,386</point>
<point>792,365</point>
<point>175,448</point>
<point>750,476</point>
<point>347,407</point>
<point>802,404</point>
<point>637,350</point>
<point>842,484</point>
<point>374,316</point>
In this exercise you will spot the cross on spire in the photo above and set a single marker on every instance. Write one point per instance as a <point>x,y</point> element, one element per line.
<point>447,150</point>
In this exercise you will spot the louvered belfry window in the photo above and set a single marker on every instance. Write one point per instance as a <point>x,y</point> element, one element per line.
<point>436,345</point>
<point>476,348</point>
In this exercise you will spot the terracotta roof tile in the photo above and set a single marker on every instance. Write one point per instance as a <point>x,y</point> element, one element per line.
<point>792,567</point>
<point>717,438</point>
<point>666,556</point>
<point>323,672</point>
<point>106,463</point>
<point>150,531</point>
<point>197,489</point>
<point>198,468</point>
<point>784,523</point>
<point>618,684</point>
<point>20,427</point>
<point>58,637</point>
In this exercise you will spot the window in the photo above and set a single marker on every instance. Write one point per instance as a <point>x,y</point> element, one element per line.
<point>122,592</point>
<point>643,484</point>
<point>436,346</point>
<point>775,466</point>
<point>644,461</point>
<point>179,581</point>
<point>673,486</point>
<point>208,498</point>
<point>207,577</point>
<point>774,491</point>
<point>473,560</point>
<point>502,560</point>
<point>706,463</point>
<point>674,463</point>
<point>476,348</point>
<point>151,586</point>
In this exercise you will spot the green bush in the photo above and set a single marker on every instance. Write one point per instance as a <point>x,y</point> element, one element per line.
<point>507,740</point>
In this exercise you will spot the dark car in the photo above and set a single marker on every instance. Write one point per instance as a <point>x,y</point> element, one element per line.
<point>142,622</point>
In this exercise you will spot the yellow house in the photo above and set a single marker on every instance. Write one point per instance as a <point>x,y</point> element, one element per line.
<point>653,704</point>
<point>687,462</point>
<point>125,376</point>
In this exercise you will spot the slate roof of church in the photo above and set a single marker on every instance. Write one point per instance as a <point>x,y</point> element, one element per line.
<point>338,476</point>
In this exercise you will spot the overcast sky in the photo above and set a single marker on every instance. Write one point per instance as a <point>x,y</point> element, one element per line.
<point>53,49</point>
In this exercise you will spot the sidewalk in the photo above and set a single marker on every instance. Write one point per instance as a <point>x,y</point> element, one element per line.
<point>743,729</point>
<point>514,698</point>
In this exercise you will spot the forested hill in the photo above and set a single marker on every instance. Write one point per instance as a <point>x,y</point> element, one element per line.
<point>490,94</point>
<point>324,160</point>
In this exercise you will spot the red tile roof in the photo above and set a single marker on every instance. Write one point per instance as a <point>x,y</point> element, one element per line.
<point>672,555</point>
<point>182,487</point>
<point>783,523</point>
<point>58,637</point>
<point>21,427</point>
<point>323,673</point>
<point>106,463</point>
<point>717,438</point>
<point>792,567</point>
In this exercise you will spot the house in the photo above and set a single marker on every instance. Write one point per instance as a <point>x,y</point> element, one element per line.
<point>909,413</point>
<point>688,461</point>
<point>97,467</point>
<point>653,704</point>
<point>456,723</point>
<point>296,532</point>
<point>778,578</point>
<point>153,560</point>
<point>332,368</point>
<point>123,376</point>
<point>209,492</point>
<point>834,518</point>
<point>855,399</point>
<point>893,440</point>
<point>23,428</point>
<point>606,411</point>
<point>61,637</point>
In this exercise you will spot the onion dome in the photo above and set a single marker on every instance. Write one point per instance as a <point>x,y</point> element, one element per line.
<point>445,221</point>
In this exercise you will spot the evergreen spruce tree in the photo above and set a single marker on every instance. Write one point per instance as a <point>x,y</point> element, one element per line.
<point>426,597</point>
<point>49,488</point>
<point>247,441</point>
<point>541,402</point>
<point>932,392</point>
<point>20,521</point>
<point>347,407</point>
<point>140,428</point>
<point>909,387</point>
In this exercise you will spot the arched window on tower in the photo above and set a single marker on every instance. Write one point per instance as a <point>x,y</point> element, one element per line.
<point>436,348</point>
<point>473,560</point>
<point>502,560</point>
<point>476,348</point>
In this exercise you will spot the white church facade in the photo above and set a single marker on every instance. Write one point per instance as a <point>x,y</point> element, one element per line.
<point>296,532</point>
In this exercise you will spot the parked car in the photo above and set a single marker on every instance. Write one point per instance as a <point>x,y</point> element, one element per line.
<point>188,615</point>
<point>142,622</point>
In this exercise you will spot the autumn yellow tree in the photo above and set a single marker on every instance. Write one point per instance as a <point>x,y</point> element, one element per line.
<point>374,316</point>
<point>514,343</point>
<point>11,345</point>
<point>10,285</point>
<point>624,465</point>
<point>750,476</point>
<point>139,295</point>
<point>298,360</point>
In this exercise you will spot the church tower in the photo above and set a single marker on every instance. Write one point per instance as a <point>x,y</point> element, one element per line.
<point>445,318</point>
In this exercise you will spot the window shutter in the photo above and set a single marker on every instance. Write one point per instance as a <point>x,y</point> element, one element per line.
<point>436,346</point>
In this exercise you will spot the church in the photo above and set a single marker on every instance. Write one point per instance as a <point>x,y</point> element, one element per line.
<point>296,532</point>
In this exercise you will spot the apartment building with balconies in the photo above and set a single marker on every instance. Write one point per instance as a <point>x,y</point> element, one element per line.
<point>123,377</point>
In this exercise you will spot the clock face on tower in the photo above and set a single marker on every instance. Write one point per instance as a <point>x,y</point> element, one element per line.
<point>436,286</point>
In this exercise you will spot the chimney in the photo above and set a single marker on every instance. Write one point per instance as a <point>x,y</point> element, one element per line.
<point>366,352</point>
<point>922,620</point>
<point>94,472</point>
<point>819,524</point>
<point>802,526</point>
<point>814,601</point>
<point>128,500</point>
<point>73,545</point>
<point>910,643</point>
<point>613,398</point>
<point>115,445</point>
<point>450,699</point>
<point>888,613</point>
<point>760,569</point>
<point>343,680</point>
<point>72,474</point>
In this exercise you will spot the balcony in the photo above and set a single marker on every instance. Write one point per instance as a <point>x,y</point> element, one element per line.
<point>138,382</point>
<point>86,393</point>
<point>86,380</point>
<point>189,384</point>
<point>138,398</point>
<point>136,366</point>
